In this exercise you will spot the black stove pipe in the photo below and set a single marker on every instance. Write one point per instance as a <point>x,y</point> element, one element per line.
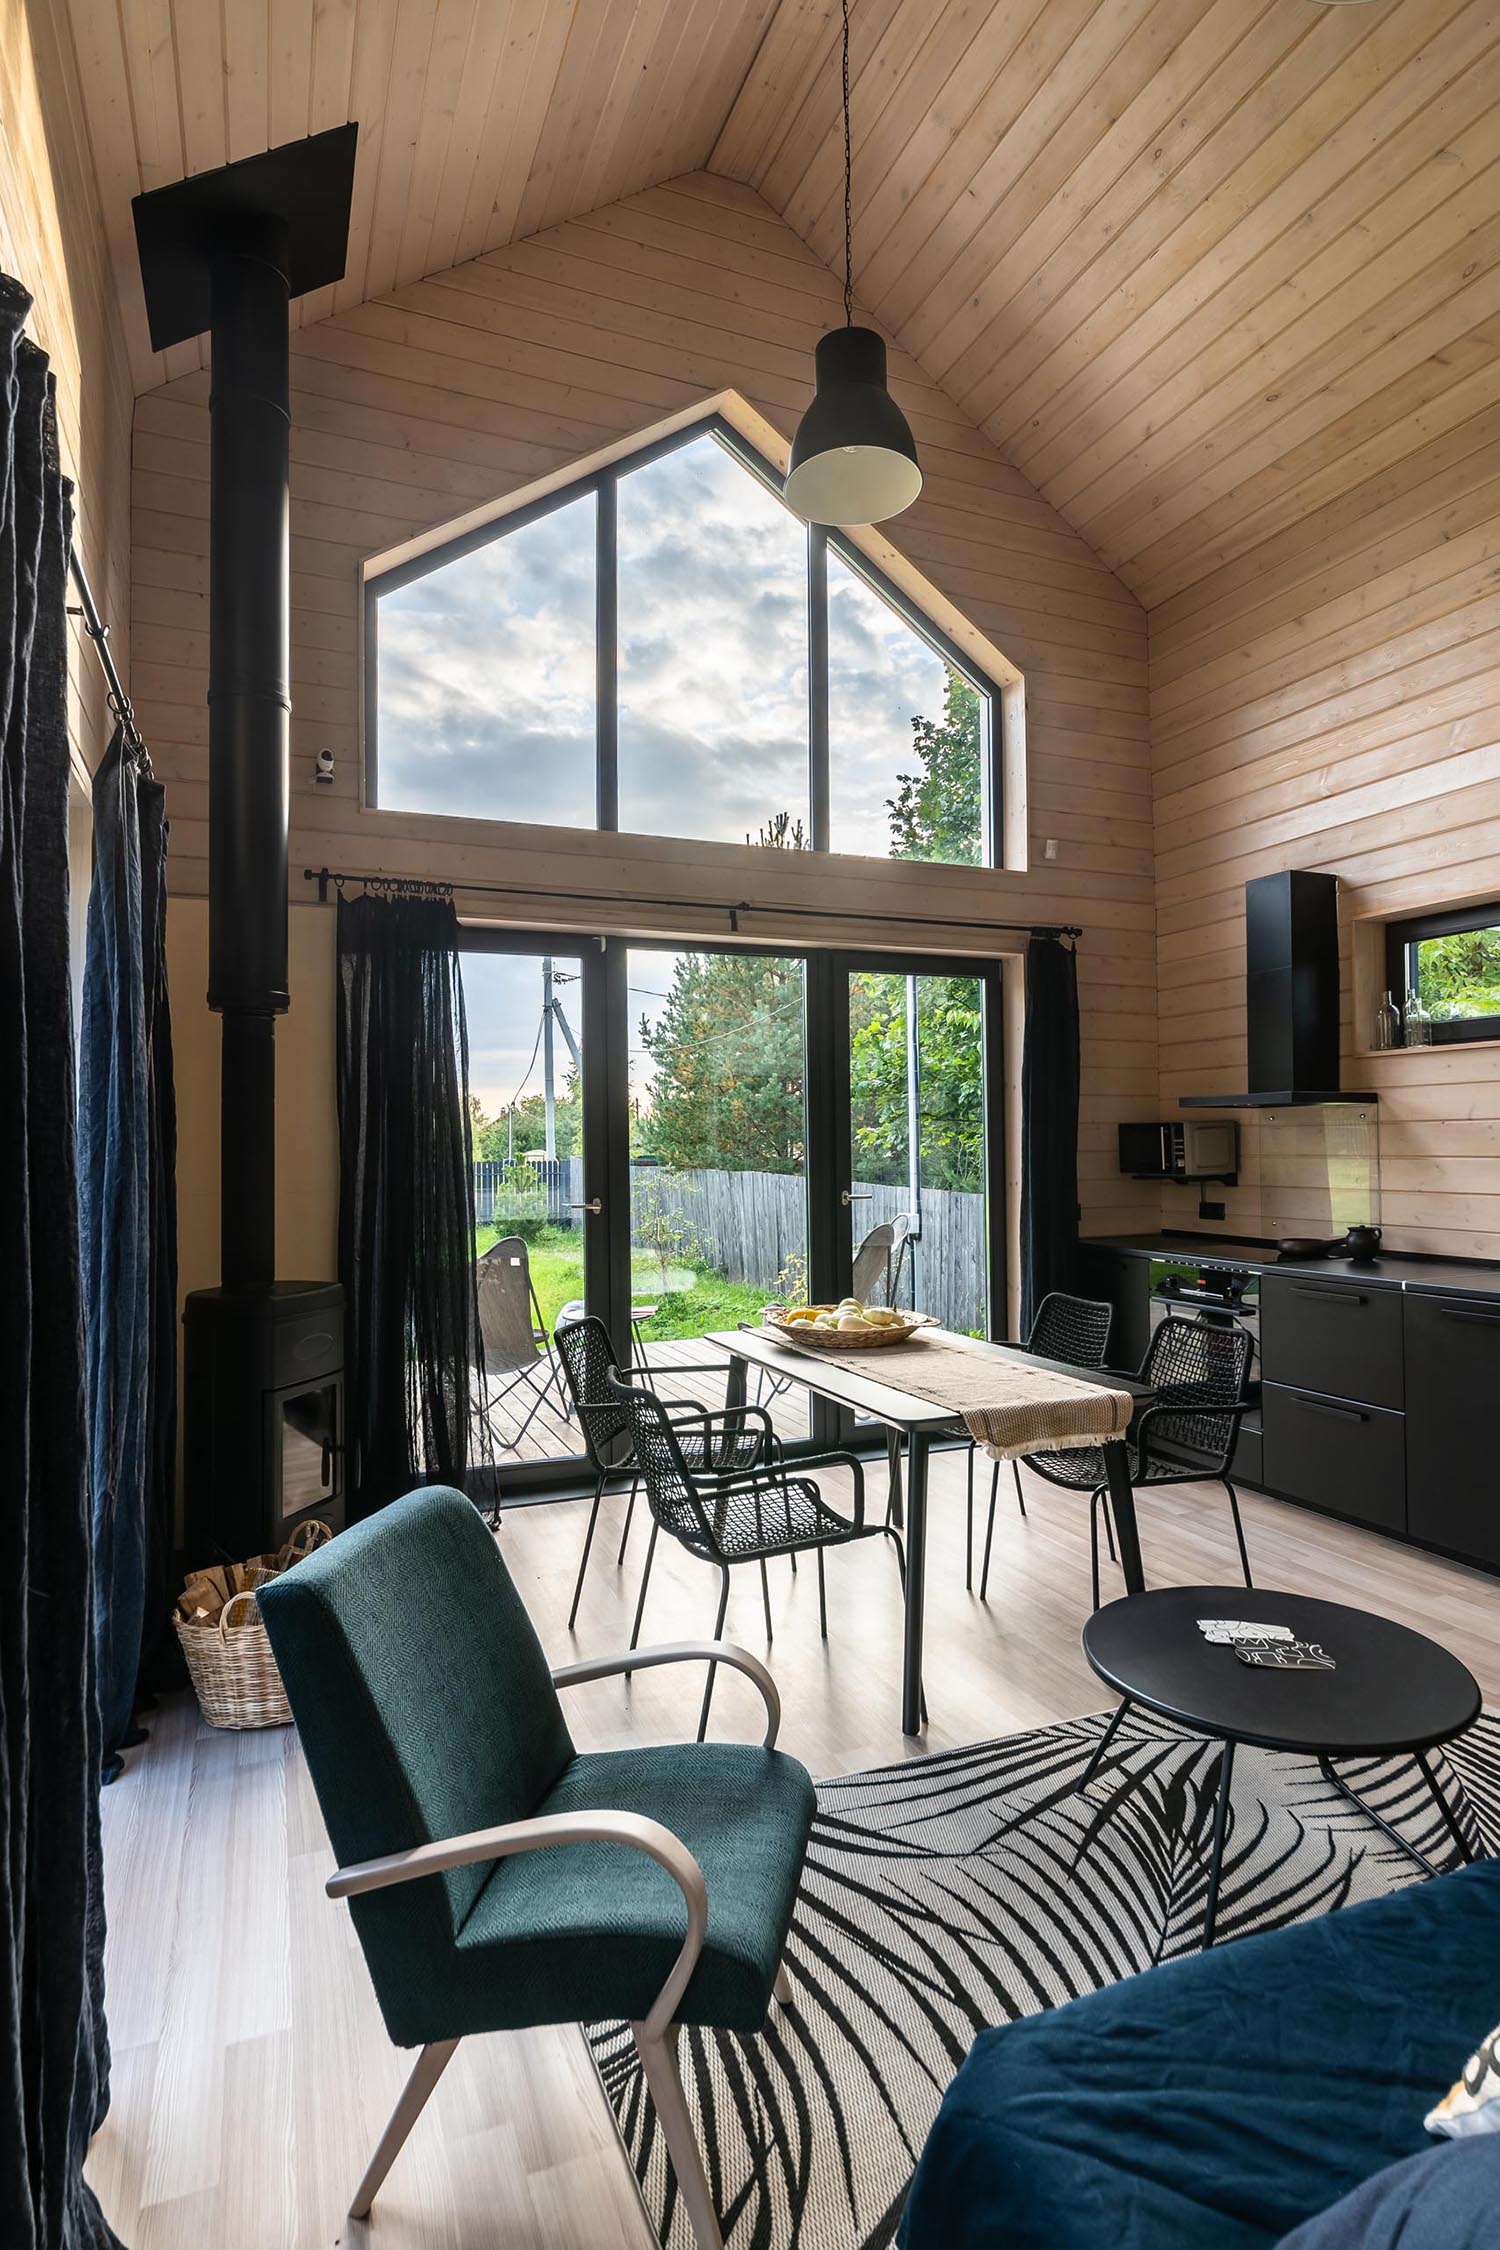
<point>249,696</point>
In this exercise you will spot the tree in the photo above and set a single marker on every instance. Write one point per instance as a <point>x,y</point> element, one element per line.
<point>726,1051</point>
<point>950,1032</point>
<point>1460,974</point>
<point>937,812</point>
<point>494,1138</point>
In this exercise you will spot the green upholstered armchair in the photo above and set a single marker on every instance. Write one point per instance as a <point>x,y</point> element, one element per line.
<point>498,1877</point>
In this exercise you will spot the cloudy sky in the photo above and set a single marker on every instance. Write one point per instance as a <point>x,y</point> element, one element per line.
<point>503,1002</point>
<point>486,669</point>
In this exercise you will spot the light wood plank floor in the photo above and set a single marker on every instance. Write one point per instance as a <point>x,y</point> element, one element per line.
<point>251,2073</point>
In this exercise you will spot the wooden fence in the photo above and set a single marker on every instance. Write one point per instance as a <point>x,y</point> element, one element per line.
<point>752,1226</point>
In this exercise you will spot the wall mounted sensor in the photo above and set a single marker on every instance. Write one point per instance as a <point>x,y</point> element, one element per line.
<point>323,769</point>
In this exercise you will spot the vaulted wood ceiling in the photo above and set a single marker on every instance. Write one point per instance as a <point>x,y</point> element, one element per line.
<point>1196,266</point>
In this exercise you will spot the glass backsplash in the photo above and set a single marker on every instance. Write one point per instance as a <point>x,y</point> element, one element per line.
<point>1317,1171</point>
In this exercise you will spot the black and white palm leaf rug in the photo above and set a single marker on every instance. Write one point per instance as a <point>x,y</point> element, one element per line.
<point>949,1894</point>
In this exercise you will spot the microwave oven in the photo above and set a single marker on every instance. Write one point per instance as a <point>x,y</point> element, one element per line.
<point>1180,1149</point>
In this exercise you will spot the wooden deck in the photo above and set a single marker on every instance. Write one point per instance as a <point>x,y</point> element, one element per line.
<point>553,1436</point>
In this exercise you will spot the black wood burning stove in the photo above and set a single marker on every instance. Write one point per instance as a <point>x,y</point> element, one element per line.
<point>263,1442</point>
<point>263,1389</point>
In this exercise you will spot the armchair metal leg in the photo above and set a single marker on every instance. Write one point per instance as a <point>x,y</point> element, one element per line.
<point>1094,1544</point>
<point>822,1596</point>
<point>784,1993</point>
<point>635,1486</point>
<point>1109,1526</point>
<point>765,1595</point>
<point>427,2070</point>
<point>1015,1470</point>
<point>588,1541</point>
<point>659,2062</point>
<point>1239,1530</point>
<point>718,1635</point>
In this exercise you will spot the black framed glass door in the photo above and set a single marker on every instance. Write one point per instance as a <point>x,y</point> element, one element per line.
<point>535,1070</point>
<point>672,1136</point>
<point>917,1107</point>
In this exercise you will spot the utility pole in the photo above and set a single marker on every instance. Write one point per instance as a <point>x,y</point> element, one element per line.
<point>549,1091</point>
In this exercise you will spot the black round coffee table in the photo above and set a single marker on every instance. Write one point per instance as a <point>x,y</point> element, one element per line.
<point>1393,1692</point>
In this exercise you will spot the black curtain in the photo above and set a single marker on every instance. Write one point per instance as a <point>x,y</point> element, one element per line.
<point>1049,1124</point>
<point>54,2054</point>
<point>127,1150</point>
<point>406,1250</point>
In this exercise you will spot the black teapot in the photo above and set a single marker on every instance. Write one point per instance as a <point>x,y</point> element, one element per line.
<point>1363,1244</point>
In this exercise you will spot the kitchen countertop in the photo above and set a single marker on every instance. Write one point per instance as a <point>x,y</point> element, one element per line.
<point>1441,1276</point>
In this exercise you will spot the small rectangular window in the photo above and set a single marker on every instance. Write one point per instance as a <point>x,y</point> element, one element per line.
<point>1450,963</point>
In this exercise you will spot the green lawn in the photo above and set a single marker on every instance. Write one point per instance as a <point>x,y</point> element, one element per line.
<point>709,1302</point>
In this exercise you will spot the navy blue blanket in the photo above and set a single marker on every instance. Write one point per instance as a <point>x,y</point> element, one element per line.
<point>1216,2103</point>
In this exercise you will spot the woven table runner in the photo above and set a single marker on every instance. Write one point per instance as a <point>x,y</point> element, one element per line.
<point>1008,1406</point>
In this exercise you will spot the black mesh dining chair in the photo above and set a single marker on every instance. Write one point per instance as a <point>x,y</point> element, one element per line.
<point>1187,1435</point>
<point>1074,1329</point>
<point>736,1516</point>
<point>586,1354</point>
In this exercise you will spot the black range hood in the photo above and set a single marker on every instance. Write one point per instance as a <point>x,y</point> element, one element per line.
<point>1291,996</point>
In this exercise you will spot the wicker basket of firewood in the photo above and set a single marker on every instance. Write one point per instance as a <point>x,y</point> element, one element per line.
<point>224,1643</point>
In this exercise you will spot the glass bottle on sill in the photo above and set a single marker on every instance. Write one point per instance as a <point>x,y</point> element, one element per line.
<point>1416,1023</point>
<point>1387,1032</point>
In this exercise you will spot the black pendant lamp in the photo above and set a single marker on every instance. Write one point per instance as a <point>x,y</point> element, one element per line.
<point>854,459</point>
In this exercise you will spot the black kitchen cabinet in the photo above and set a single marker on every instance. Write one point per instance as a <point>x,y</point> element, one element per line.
<point>1332,1336</point>
<point>1336,1454</point>
<point>1453,1389</point>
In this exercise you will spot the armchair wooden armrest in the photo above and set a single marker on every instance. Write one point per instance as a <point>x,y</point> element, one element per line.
<point>543,1834</point>
<point>682,1652</point>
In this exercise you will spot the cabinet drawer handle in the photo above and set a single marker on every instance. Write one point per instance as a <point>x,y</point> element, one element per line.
<point>1486,1319</point>
<point>1330,1296</point>
<point>1321,1406</point>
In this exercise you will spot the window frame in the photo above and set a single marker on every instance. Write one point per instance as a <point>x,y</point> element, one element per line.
<point>1401,937</point>
<point>820,540</point>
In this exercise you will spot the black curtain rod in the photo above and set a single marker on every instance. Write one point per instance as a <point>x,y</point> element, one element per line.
<point>324,876</point>
<point>98,632</point>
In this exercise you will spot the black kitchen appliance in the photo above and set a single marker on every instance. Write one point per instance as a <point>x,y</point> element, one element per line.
<point>1291,996</point>
<point>1179,1149</point>
<point>1211,1289</point>
<point>263,1365</point>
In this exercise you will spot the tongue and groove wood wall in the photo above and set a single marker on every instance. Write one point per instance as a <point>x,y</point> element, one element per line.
<point>1330,698</point>
<point>414,408</point>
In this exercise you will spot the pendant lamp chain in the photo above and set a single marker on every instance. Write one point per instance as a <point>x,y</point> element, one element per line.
<point>848,189</point>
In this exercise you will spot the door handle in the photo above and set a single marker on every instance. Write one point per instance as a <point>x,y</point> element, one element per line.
<point>594,1204</point>
<point>1486,1319</point>
<point>856,1195</point>
<point>1320,1406</point>
<point>1330,1296</point>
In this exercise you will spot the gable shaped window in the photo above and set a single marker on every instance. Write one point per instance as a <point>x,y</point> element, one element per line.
<point>665,648</point>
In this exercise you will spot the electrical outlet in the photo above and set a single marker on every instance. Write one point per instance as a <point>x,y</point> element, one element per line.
<point>1207,1210</point>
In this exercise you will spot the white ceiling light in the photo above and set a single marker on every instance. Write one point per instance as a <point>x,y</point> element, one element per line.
<point>854,459</point>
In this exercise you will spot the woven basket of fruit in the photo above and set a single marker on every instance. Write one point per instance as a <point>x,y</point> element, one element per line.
<point>846,1327</point>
